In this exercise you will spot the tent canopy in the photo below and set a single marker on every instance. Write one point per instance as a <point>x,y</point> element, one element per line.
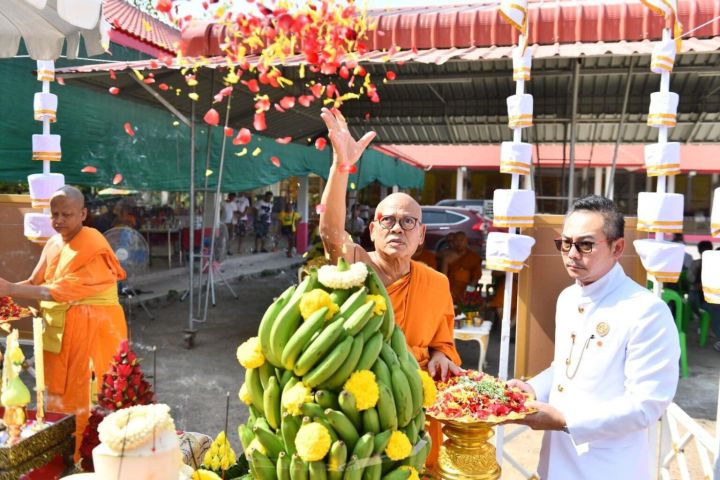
<point>48,26</point>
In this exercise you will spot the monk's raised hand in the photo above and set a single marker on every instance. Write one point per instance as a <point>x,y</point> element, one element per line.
<point>347,149</point>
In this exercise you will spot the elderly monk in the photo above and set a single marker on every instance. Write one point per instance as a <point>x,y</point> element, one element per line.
<point>76,284</point>
<point>420,296</point>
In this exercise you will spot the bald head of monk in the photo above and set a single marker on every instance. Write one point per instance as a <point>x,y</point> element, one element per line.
<point>397,229</point>
<point>67,207</point>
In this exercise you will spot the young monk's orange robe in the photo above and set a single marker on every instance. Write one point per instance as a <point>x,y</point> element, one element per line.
<point>424,311</point>
<point>428,258</point>
<point>82,277</point>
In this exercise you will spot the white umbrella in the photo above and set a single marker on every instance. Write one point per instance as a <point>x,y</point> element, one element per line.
<point>47,25</point>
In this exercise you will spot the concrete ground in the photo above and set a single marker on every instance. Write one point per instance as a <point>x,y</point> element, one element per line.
<point>196,382</point>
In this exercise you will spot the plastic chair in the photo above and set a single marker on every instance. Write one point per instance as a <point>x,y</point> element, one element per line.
<point>669,296</point>
<point>704,326</point>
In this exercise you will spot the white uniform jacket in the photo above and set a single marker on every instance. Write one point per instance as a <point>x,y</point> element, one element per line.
<point>612,383</point>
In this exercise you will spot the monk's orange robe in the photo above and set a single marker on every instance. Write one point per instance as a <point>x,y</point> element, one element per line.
<point>461,271</point>
<point>424,311</point>
<point>83,268</point>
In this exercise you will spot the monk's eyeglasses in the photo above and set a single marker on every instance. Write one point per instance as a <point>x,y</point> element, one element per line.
<point>584,247</point>
<point>388,222</point>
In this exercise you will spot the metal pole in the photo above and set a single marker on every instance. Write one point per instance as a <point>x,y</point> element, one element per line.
<point>573,132</point>
<point>191,248</point>
<point>610,185</point>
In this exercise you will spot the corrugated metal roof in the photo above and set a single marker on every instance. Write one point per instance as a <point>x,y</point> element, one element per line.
<point>129,20</point>
<point>474,31</point>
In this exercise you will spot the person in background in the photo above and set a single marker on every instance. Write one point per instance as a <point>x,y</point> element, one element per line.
<point>682,285</point>
<point>229,210</point>
<point>263,219</point>
<point>75,282</point>
<point>354,224</point>
<point>696,297</point>
<point>462,266</point>
<point>423,255</point>
<point>289,219</point>
<point>616,362</point>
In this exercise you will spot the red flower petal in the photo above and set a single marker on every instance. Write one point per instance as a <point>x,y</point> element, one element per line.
<point>218,98</point>
<point>243,137</point>
<point>317,90</point>
<point>344,72</point>
<point>226,91</point>
<point>390,75</point>
<point>129,129</point>
<point>60,81</point>
<point>259,122</point>
<point>149,81</point>
<point>278,108</point>
<point>320,143</point>
<point>320,208</point>
<point>306,100</point>
<point>117,179</point>
<point>287,102</point>
<point>89,169</point>
<point>251,84</point>
<point>275,161</point>
<point>212,117</point>
<point>114,90</point>
<point>164,87</point>
<point>163,6</point>
<point>283,140</point>
<point>229,132</point>
<point>112,75</point>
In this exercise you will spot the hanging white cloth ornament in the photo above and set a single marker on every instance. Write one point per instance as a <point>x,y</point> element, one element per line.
<point>662,159</point>
<point>709,277</point>
<point>507,252</point>
<point>46,147</point>
<point>660,212</point>
<point>38,227</point>
<point>663,109</point>
<point>513,208</point>
<point>661,259</point>
<point>42,186</point>
<point>522,63</point>
<point>520,111</point>
<point>715,215</point>
<point>663,56</point>
<point>45,106</point>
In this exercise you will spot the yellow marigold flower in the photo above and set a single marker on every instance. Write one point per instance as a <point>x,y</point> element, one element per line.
<point>293,399</point>
<point>250,354</point>
<point>364,388</point>
<point>244,395</point>
<point>380,305</point>
<point>312,442</point>
<point>314,300</point>
<point>429,389</point>
<point>399,446</point>
<point>413,473</point>
<point>204,475</point>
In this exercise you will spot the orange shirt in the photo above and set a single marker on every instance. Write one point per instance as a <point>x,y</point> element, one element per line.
<point>424,311</point>
<point>462,271</point>
<point>428,258</point>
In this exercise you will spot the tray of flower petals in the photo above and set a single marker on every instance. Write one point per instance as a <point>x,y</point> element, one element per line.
<point>10,311</point>
<point>478,397</point>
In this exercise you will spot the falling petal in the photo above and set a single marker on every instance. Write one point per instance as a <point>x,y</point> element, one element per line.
<point>114,90</point>
<point>229,132</point>
<point>275,161</point>
<point>252,85</point>
<point>390,75</point>
<point>218,98</point>
<point>226,91</point>
<point>278,108</point>
<point>129,129</point>
<point>352,185</point>
<point>138,74</point>
<point>194,96</point>
<point>208,172</point>
<point>317,90</point>
<point>320,143</point>
<point>164,87</point>
<point>89,169</point>
<point>243,137</point>
<point>283,140</point>
<point>259,122</point>
<point>176,123</point>
<point>117,178</point>
<point>287,102</point>
<point>305,100</point>
<point>212,117</point>
<point>163,6</point>
<point>149,81</point>
<point>320,208</point>
<point>147,25</point>
<point>241,152</point>
<point>112,75</point>
<point>60,81</point>
<point>256,152</point>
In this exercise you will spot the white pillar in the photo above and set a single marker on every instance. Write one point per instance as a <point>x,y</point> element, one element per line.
<point>303,201</point>
<point>597,189</point>
<point>671,184</point>
<point>460,183</point>
<point>395,189</point>
<point>608,171</point>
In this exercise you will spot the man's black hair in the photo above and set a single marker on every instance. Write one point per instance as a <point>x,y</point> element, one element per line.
<point>614,220</point>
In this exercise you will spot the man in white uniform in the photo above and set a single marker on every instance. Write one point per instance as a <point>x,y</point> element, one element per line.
<point>615,368</point>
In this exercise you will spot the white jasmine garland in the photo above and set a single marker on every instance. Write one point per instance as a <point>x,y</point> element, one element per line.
<point>332,276</point>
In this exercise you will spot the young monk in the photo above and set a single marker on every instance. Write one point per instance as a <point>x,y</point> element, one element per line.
<point>420,296</point>
<point>76,284</point>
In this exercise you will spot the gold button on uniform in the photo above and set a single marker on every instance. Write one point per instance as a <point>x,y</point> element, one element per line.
<point>581,309</point>
<point>560,388</point>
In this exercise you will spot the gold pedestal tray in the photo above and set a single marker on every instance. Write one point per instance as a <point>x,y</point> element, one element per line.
<point>467,452</point>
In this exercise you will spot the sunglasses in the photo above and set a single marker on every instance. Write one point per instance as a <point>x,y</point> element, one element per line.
<point>584,246</point>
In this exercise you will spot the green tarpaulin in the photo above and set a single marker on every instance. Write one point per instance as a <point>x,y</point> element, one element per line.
<point>92,123</point>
